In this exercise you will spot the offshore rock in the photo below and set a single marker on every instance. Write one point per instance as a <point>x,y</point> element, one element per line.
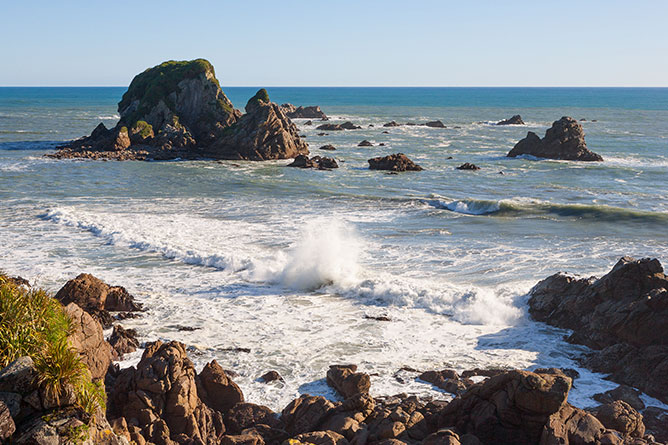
<point>564,140</point>
<point>263,133</point>
<point>468,166</point>
<point>435,124</point>
<point>177,110</point>
<point>623,316</point>
<point>339,127</point>
<point>398,162</point>
<point>515,120</point>
<point>319,162</point>
<point>311,112</point>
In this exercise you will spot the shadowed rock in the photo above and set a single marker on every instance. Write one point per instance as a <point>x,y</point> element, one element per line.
<point>398,162</point>
<point>564,140</point>
<point>515,120</point>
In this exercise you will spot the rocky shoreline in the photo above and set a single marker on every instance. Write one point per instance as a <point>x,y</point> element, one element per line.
<point>163,400</point>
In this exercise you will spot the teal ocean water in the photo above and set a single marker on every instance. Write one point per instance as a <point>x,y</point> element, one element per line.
<point>287,262</point>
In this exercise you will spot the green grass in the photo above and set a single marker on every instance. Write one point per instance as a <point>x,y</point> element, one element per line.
<point>261,95</point>
<point>34,324</point>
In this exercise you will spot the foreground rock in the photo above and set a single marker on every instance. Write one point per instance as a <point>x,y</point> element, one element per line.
<point>515,120</point>
<point>31,415</point>
<point>339,127</point>
<point>347,381</point>
<point>97,297</point>
<point>160,399</point>
<point>177,110</point>
<point>398,162</point>
<point>623,316</point>
<point>88,339</point>
<point>319,162</point>
<point>311,112</point>
<point>564,140</point>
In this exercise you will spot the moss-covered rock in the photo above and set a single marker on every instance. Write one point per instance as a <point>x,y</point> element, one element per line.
<point>177,109</point>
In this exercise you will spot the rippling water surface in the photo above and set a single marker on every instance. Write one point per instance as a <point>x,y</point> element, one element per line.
<point>287,262</point>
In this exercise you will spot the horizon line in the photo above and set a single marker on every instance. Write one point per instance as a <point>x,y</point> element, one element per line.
<point>358,86</point>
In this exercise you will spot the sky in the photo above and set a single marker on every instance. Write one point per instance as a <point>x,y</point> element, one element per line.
<point>339,43</point>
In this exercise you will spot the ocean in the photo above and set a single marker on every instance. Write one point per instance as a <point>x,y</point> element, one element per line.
<point>290,263</point>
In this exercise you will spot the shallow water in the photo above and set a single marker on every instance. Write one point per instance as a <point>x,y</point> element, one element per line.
<point>287,262</point>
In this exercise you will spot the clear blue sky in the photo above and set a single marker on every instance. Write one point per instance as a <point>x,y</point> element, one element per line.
<point>340,43</point>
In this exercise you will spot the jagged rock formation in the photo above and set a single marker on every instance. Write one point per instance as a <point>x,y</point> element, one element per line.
<point>564,140</point>
<point>623,316</point>
<point>398,162</point>
<point>311,112</point>
<point>515,120</point>
<point>178,110</point>
<point>264,132</point>
<point>468,166</point>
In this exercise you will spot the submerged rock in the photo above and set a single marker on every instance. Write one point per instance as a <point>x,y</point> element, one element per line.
<point>468,166</point>
<point>398,162</point>
<point>515,120</point>
<point>178,110</point>
<point>622,316</point>
<point>435,124</point>
<point>564,140</point>
<point>391,124</point>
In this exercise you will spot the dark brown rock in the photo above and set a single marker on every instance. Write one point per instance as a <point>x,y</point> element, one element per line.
<point>310,112</point>
<point>95,297</point>
<point>512,407</point>
<point>398,162</point>
<point>338,127</point>
<point>318,162</point>
<point>216,388</point>
<point>622,315</point>
<point>656,423</point>
<point>322,438</point>
<point>347,381</point>
<point>435,124</point>
<point>391,124</point>
<point>447,379</point>
<point>572,425</point>
<point>515,120</point>
<point>245,415</point>
<point>264,132</point>
<point>620,416</point>
<point>365,143</point>
<point>468,166</point>
<point>622,392</point>
<point>271,376</point>
<point>306,413</point>
<point>160,396</point>
<point>442,437</point>
<point>7,426</point>
<point>328,147</point>
<point>564,140</point>
<point>124,341</point>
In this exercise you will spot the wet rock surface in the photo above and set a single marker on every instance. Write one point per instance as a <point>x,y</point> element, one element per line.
<point>398,162</point>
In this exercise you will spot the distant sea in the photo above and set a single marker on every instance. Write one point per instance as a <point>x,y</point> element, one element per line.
<point>287,262</point>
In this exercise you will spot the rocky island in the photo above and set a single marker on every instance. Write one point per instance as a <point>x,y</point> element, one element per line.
<point>564,140</point>
<point>178,110</point>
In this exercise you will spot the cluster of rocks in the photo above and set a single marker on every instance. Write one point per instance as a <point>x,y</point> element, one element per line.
<point>564,140</point>
<point>311,112</point>
<point>317,162</point>
<point>163,400</point>
<point>339,127</point>
<point>431,124</point>
<point>178,110</point>
<point>622,317</point>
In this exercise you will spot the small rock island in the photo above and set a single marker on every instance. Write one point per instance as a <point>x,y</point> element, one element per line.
<point>564,140</point>
<point>178,110</point>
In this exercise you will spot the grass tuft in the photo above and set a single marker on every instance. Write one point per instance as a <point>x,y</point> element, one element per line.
<point>34,324</point>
